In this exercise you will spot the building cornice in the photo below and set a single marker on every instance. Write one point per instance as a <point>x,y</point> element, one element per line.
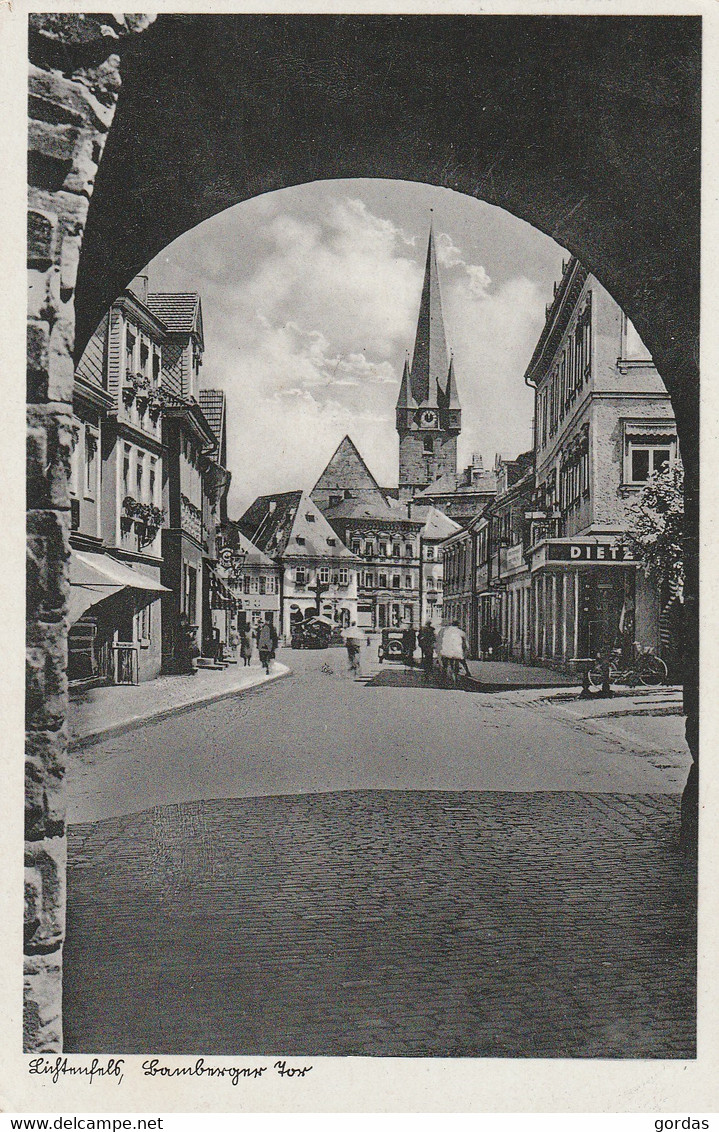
<point>92,394</point>
<point>129,303</point>
<point>558,317</point>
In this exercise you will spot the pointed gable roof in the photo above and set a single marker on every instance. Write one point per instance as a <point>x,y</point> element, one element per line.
<point>347,470</point>
<point>430,361</point>
<point>291,524</point>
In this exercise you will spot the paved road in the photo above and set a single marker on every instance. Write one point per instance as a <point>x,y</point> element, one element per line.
<point>318,731</point>
<point>326,867</point>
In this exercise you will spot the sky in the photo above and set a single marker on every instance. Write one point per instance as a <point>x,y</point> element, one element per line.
<point>310,298</point>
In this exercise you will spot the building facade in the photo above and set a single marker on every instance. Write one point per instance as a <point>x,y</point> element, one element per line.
<point>388,543</point>
<point>117,510</point>
<point>318,572</point>
<point>254,579</point>
<point>460,595</point>
<point>437,527</point>
<point>603,424</point>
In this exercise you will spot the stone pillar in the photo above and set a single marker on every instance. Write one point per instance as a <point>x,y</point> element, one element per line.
<point>74,85</point>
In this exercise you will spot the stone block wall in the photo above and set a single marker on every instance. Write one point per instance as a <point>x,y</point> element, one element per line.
<point>74,81</point>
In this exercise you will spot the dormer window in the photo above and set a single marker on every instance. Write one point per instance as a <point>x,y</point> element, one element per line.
<point>301,540</point>
<point>332,542</point>
<point>310,517</point>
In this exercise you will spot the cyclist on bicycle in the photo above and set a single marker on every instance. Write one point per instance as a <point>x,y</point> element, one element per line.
<point>452,649</point>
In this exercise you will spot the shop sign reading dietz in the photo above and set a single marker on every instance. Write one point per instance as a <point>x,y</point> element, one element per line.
<point>580,552</point>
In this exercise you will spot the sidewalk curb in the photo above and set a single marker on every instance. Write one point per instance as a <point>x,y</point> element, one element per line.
<point>92,737</point>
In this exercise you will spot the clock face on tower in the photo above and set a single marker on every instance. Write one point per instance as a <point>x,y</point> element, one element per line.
<point>427,418</point>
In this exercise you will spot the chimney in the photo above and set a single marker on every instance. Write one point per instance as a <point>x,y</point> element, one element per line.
<point>138,286</point>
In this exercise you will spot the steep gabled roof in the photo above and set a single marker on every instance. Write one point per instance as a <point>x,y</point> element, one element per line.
<point>236,540</point>
<point>437,525</point>
<point>290,524</point>
<point>212,403</point>
<point>180,311</point>
<point>364,509</point>
<point>347,470</point>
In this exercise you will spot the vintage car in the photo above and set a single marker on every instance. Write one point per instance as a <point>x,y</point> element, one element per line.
<point>391,646</point>
<point>311,635</point>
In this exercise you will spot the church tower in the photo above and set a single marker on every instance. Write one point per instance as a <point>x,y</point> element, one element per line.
<point>429,417</point>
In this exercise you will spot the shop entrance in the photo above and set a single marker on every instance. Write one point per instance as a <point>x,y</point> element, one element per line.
<point>606,610</point>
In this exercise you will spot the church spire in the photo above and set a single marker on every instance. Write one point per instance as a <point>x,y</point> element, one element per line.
<point>429,361</point>
<point>404,400</point>
<point>451,396</point>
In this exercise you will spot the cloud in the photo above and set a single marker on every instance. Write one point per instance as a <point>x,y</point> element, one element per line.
<point>476,280</point>
<point>310,301</point>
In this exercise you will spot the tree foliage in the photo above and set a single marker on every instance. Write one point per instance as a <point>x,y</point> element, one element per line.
<point>655,529</point>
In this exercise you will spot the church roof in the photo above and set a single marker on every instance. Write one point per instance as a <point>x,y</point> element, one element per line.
<point>291,524</point>
<point>430,360</point>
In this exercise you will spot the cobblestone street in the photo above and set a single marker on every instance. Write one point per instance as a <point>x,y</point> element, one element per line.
<point>531,903</point>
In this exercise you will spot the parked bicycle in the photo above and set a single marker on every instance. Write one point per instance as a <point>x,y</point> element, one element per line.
<point>645,668</point>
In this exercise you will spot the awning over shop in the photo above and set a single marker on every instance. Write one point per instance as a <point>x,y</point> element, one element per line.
<point>94,577</point>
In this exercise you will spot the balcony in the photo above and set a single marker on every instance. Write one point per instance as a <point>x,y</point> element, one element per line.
<point>191,519</point>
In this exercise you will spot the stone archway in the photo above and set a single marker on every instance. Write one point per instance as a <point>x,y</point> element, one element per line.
<point>588,128</point>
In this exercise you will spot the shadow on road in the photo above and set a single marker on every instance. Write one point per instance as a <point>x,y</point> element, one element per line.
<point>415,678</point>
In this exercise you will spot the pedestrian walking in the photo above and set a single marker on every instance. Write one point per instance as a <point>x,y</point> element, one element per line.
<point>264,645</point>
<point>353,641</point>
<point>427,639</point>
<point>233,643</point>
<point>246,646</point>
<point>409,643</point>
